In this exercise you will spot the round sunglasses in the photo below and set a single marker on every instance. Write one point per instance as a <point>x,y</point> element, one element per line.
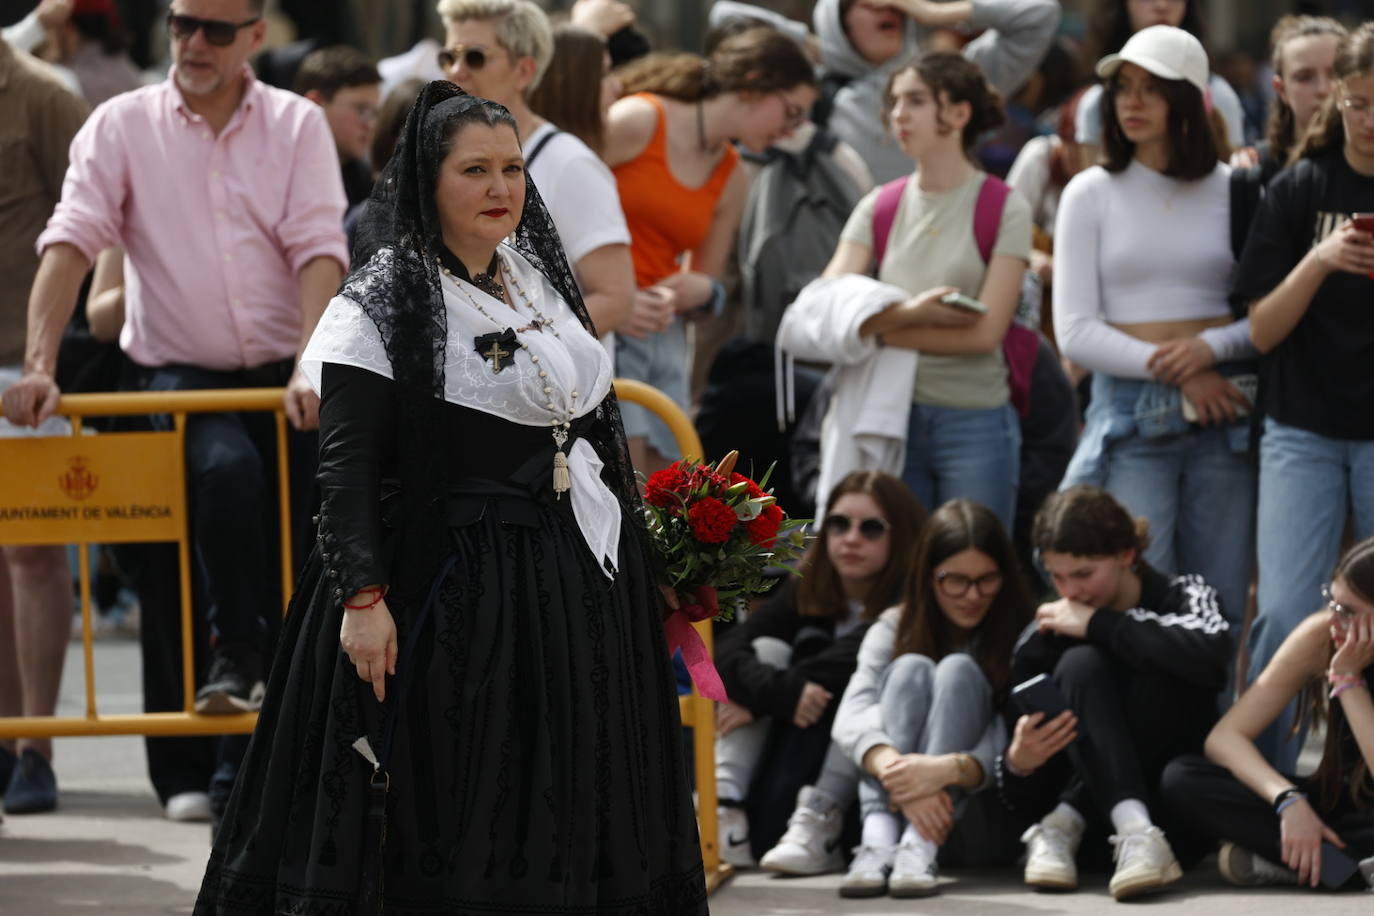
<point>474,58</point>
<point>218,32</point>
<point>839,525</point>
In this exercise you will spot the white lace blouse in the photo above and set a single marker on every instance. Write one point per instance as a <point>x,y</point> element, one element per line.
<point>569,379</point>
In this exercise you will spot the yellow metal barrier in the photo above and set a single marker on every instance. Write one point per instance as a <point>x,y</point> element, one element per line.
<point>697,710</point>
<point>130,488</point>
<point>124,488</point>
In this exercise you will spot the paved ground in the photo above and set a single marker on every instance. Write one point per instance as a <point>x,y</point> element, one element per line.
<point>108,851</point>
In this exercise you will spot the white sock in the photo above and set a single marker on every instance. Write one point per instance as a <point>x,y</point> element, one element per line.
<point>1066,811</point>
<point>881,829</point>
<point>1131,816</point>
<point>727,791</point>
<point>912,837</point>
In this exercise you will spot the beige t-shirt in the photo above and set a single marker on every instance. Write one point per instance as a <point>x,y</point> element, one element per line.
<point>932,245</point>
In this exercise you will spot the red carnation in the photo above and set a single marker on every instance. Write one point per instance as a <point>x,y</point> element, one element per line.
<point>711,520</point>
<point>663,487</point>
<point>764,529</point>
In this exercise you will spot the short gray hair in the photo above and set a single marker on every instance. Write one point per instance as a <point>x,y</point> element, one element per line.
<point>522,28</point>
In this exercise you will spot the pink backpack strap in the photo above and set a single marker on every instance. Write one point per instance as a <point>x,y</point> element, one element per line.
<point>987,215</point>
<point>884,215</point>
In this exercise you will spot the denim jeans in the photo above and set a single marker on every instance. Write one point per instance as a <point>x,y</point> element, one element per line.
<point>661,360</point>
<point>930,708</point>
<point>1195,485</point>
<point>1308,483</point>
<point>953,453</point>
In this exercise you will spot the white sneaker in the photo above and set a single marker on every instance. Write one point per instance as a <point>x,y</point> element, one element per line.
<point>1241,867</point>
<point>1051,847</point>
<point>733,832</point>
<point>188,806</point>
<point>867,875</point>
<point>811,845</point>
<point>914,873</point>
<point>1144,862</point>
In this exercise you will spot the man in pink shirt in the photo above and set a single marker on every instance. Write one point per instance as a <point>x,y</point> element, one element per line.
<point>226,197</point>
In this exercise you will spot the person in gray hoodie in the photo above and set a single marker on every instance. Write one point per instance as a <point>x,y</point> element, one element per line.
<point>864,41</point>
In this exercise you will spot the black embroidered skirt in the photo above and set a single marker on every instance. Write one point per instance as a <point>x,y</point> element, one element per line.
<point>537,764</point>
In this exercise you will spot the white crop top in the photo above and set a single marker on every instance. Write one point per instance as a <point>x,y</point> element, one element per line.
<point>1138,247</point>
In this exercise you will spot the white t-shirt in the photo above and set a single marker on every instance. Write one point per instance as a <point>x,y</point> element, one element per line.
<point>1031,175</point>
<point>1139,246</point>
<point>579,191</point>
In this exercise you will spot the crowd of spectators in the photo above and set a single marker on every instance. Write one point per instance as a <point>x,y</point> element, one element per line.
<point>1128,378</point>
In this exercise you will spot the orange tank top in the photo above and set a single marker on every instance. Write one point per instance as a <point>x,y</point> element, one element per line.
<point>665,218</point>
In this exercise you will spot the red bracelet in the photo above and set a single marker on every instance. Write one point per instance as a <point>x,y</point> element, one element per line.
<point>366,607</point>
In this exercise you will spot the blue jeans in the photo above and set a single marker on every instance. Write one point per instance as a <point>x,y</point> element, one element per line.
<point>1195,485</point>
<point>929,708</point>
<point>660,360</point>
<point>953,453</point>
<point>1308,483</point>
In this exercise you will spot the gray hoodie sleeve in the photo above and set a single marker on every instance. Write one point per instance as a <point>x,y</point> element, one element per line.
<point>1016,35</point>
<point>858,720</point>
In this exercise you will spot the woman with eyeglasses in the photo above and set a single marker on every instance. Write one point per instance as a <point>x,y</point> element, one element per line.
<point>1277,828</point>
<point>785,665</point>
<point>1139,656</point>
<point>669,143</point>
<point>1306,275</point>
<point>920,717</point>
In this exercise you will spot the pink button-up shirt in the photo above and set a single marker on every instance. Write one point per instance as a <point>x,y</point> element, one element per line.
<point>215,228</point>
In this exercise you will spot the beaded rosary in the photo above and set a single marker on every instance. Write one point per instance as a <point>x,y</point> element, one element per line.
<point>494,348</point>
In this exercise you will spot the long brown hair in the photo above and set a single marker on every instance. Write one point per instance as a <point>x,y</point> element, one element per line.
<point>820,592</point>
<point>569,95</point>
<point>960,525</point>
<point>1355,57</point>
<point>760,59</point>
<point>1281,131</point>
<point>1356,569</point>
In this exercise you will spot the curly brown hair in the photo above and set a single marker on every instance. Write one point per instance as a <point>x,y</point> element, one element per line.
<point>953,78</point>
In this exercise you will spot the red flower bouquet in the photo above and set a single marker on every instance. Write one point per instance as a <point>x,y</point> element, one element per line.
<point>714,533</point>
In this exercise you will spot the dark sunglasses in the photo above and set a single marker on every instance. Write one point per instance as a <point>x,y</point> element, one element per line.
<point>870,528</point>
<point>217,32</point>
<point>474,58</point>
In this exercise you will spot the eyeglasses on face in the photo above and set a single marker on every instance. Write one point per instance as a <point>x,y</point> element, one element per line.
<point>218,32</point>
<point>1355,107</point>
<point>792,113</point>
<point>871,528</point>
<point>956,585</point>
<point>473,57</point>
<point>1334,606</point>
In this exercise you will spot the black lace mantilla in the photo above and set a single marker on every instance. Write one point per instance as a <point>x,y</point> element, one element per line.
<point>398,244</point>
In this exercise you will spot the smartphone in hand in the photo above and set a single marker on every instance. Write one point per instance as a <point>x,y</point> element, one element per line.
<point>1040,694</point>
<point>967,303</point>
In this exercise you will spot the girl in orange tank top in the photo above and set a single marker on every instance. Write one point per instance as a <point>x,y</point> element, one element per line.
<point>669,145</point>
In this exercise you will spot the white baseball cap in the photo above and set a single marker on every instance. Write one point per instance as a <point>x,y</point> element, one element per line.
<point>1165,51</point>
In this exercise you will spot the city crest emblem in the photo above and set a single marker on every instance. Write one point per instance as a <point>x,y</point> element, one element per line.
<point>78,482</point>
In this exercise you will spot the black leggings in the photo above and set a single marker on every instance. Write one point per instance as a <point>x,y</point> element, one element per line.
<point>1130,725</point>
<point>1213,802</point>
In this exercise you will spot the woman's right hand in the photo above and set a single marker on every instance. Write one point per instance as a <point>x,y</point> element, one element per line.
<point>730,716</point>
<point>1215,398</point>
<point>1302,833</point>
<point>931,815</point>
<point>1035,741</point>
<point>811,705</point>
<point>927,309</point>
<point>1347,249</point>
<point>368,638</point>
<point>650,312</point>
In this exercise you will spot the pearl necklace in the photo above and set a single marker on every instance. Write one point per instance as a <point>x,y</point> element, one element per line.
<point>562,420</point>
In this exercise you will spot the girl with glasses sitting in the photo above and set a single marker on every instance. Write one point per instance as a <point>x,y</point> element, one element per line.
<point>1139,656</point>
<point>1276,828</point>
<point>784,669</point>
<point>920,715</point>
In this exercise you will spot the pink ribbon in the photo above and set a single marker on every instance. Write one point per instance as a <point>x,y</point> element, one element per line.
<point>682,635</point>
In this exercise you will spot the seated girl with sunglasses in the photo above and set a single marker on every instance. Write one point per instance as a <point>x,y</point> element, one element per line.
<point>1139,656</point>
<point>1277,828</point>
<point>920,715</point>
<point>784,666</point>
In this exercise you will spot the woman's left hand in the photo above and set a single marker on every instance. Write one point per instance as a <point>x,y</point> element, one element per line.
<point>1354,652</point>
<point>730,716</point>
<point>931,815</point>
<point>1176,361</point>
<point>1065,617</point>
<point>690,290</point>
<point>913,776</point>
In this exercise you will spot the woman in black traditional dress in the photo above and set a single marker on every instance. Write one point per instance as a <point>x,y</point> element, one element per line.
<point>472,709</point>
